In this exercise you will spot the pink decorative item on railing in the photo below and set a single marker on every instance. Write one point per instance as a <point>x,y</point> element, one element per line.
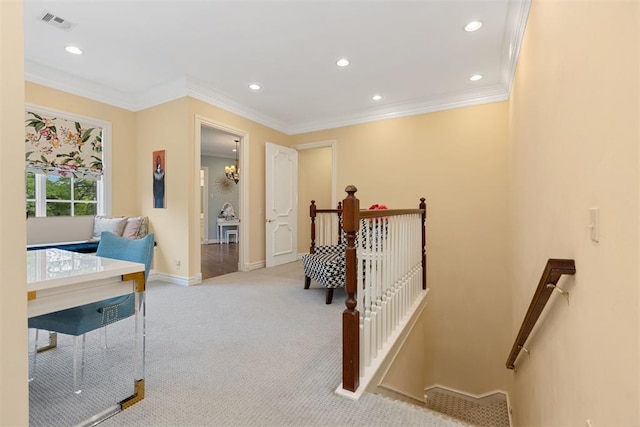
<point>377,207</point>
<point>378,228</point>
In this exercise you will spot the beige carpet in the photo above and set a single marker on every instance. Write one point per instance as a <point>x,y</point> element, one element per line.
<point>493,413</point>
<point>245,349</point>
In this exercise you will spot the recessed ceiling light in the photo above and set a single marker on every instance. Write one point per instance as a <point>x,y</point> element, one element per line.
<point>475,77</point>
<point>376,97</point>
<point>254,86</point>
<point>342,62</point>
<point>473,26</point>
<point>74,49</point>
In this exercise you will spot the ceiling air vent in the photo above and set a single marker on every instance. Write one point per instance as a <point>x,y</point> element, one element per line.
<point>56,21</point>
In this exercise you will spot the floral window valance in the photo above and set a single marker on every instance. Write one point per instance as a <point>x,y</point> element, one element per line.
<point>62,147</point>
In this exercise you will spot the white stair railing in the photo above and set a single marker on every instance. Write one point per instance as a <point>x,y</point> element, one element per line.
<point>389,281</point>
<point>327,229</point>
<point>385,281</point>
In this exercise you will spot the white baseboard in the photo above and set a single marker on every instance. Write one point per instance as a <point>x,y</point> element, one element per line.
<point>248,266</point>
<point>176,280</point>
<point>402,395</point>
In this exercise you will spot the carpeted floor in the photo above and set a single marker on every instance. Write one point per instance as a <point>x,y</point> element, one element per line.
<point>251,349</point>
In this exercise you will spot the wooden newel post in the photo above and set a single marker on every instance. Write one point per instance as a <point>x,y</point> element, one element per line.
<point>423,206</point>
<point>350,316</point>
<point>339,222</point>
<point>312,214</point>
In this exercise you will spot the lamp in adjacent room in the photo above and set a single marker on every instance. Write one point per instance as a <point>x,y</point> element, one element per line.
<point>233,172</point>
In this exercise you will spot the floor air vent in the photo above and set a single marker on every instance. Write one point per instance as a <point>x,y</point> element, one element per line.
<point>56,21</point>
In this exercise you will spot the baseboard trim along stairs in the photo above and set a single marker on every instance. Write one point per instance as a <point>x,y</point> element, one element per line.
<point>488,409</point>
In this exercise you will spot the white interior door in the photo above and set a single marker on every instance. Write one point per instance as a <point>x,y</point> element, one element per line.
<point>281,211</point>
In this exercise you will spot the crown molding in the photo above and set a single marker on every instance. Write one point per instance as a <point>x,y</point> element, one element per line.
<point>50,77</point>
<point>161,93</point>
<point>178,88</point>
<point>517,17</point>
<point>200,91</point>
<point>494,93</point>
<point>516,23</point>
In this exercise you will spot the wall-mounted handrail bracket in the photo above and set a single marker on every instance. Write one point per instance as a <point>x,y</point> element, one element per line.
<point>554,269</point>
<point>561,291</point>
<point>523,348</point>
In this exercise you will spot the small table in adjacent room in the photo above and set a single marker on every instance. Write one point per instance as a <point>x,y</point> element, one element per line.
<point>222,223</point>
<point>57,280</point>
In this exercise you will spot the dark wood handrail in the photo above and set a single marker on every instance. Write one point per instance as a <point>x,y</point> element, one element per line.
<point>554,269</point>
<point>352,215</point>
<point>388,212</point>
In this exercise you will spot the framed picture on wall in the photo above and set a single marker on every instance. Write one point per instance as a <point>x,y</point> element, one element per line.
<point>159,173</point>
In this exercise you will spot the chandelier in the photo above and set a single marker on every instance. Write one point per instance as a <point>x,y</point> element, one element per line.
<point>233,172</point>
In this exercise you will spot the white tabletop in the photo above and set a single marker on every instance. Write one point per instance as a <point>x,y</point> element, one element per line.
<point>228,221</point>
<point>51,268</point>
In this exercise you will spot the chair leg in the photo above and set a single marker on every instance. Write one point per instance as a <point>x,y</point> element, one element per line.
<point>53,343</point>
<point>104,335</point>
<point>77,382</point>
<point>329,295</point>
<point>307,282</point>
<point>35,354</point>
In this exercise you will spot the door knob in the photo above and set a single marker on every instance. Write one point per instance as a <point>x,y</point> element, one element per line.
<point>270,220</point>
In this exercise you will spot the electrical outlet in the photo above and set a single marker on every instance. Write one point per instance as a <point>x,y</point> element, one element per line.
<point>178,264</point>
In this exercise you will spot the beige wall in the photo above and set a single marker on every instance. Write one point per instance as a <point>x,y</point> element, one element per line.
<point>574,145</point>
<point>13,289</point>
<point>457,160</point>
<point>314,183</point>
<point>164,127</point>
<point>169,126</point>
<point>256,136</point>
<point>123,139</point>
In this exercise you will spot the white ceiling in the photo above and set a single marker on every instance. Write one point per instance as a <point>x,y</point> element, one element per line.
<point>217,143</point>
<point>140,53</point>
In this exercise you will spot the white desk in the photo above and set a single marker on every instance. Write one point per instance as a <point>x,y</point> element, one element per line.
<point>58,279</point>
<point>225,223</point>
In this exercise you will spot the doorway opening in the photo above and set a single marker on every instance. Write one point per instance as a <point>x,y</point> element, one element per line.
<point>317,180</point>
<point>221,206</point>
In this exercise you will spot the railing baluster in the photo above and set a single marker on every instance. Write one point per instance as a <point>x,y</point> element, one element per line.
<point>384,274</point>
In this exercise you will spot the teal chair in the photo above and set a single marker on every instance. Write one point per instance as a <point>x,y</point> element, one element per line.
<point>77,321</point>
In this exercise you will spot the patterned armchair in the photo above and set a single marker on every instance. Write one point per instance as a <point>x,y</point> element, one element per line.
<point>326,264</point>
<point>327,267</point>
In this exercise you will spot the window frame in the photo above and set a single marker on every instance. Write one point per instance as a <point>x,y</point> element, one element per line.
<point>104,187</point>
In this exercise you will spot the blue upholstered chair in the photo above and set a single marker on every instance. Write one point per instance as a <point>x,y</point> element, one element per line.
<point>77,321</point>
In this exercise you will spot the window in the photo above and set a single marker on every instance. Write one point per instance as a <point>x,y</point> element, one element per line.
<point>65,167</point>
<point>60,196</point>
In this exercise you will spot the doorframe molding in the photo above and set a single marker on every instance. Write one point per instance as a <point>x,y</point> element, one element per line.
<point>243,256</point>
<point>205,204</point>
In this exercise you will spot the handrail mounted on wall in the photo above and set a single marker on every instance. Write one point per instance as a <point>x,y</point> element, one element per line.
<point>552,272</point>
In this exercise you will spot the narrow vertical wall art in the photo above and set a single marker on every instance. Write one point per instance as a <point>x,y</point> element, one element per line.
<point>159,171</point>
